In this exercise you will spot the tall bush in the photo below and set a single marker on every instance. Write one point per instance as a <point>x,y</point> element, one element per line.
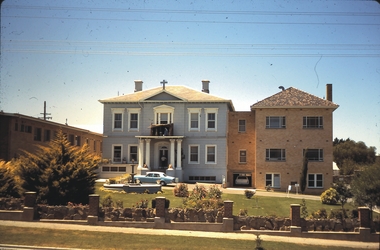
<point>8,183</point>
<point>303,177</point>
<point>59,173</point>
<point>330,197</point>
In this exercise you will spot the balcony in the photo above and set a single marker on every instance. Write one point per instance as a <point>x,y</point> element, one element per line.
<point>162,129</point>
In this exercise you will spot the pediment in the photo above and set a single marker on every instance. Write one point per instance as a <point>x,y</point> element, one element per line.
<point>163,96</point>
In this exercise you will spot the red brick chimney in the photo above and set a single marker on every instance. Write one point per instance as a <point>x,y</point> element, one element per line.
<point>329,92</point>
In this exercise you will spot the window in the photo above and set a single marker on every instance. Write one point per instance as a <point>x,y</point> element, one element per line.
<point>210,154</point>
<point>117,123</point>
<point>194,117</point>
<point>77,140</point>
<point>94,146</point>
<point>134,114</point>
<point>313,122</point>
<point>272,180</point>
<point>133,149</point>
<point>241,126</point>
<point>275,122</point>
<point>47,134</point>
<point>16,126</point>
<point>71,140</point>
<point>37,134</point>
<point>242,156</point>
<point>314,154</point>
<point>194,154</point>
<point>116,154</point>
<point>211,118</point>
<point>202,178</point>
<point>275,154</point>
<point>113,169</point>
<point>117,119</point>
<point>163,114</point>
<point>28,129</point>
<point>315,181</point>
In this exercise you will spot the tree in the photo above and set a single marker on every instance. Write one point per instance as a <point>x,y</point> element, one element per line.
<point>366,186</point>
<point>303,177</point>
<point>59,173</point>
<point>8,183</point>
<point>350,155</point>
<point>344,193</point>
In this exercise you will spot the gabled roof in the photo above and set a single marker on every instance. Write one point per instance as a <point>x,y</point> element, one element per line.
<point>170,94</point>
<point>294,98</point>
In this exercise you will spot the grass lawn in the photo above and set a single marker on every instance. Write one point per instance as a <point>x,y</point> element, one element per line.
<point>101,240</point>
<point>256,206</point>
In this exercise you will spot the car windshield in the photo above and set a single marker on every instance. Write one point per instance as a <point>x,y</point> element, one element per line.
<point>164,175</point>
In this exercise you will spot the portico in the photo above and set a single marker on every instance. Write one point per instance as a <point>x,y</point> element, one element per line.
<point>165,152</point>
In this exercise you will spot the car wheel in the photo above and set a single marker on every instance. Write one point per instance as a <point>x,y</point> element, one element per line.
<point>162,183</point>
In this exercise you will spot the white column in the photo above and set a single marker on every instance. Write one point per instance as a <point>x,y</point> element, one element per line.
<point>141,153</point>
<point>172,141</point>
<point>179,154</point>
<point>147,152</point>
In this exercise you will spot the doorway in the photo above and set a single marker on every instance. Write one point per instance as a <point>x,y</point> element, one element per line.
<point>163,157</point>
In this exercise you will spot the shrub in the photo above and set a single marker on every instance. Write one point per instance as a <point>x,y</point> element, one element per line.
<point>304,212</point>
<point>330,197</point>
<point>320,214</point>
<point>107,201</point>
<point>243,212</point>
<point>142,204</point>
<point>198,193</point>
<point>181,190</point>
<point>249,193</point>
<point>214,192</point>
<point>336,214</point>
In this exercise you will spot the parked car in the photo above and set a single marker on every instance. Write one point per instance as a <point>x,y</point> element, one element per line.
<point>242,180</point>
<point>155,177</point>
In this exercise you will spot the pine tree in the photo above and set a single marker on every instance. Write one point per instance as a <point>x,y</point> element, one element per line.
<point>59,173</point>
<point>303,177</point>
<point>8,183</point>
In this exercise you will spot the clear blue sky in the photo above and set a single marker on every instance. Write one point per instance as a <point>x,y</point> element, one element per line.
<point>73,53</point>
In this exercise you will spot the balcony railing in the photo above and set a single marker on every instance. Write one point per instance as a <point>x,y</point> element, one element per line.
<point>162,129</point>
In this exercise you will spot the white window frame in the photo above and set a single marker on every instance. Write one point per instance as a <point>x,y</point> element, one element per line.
<point>240,156</point>
<point>130,112</point>
<point>317,150</point>
<point>307,124</point>
<point>129,153</point>
<point>281,122</point>
<point>206,154</point>
<point>163,109</point>
<point>315,180</point>
<point>211,111</point>
<point>198,147</point>
<point>245,126</point>
<point>273,179</point>
<point>194,111</point>
<point>268,154</point>
<point>113,152</point>
<point>114,112</point>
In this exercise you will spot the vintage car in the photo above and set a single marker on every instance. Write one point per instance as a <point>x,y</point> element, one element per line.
<point>155,177</point>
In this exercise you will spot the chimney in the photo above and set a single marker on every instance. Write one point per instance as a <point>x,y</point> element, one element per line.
<point>138,85</point>
<point>205,84</point>
<point>329,92</point>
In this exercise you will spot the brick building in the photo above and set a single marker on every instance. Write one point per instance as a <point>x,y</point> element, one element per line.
<point>278,131</point>
<point>20,132</point>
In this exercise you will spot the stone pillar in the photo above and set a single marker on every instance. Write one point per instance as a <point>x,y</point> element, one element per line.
<point>141,154</point>
<point>29,205</point>
<point>228,209</point>
<point>93,203</point>
<point>147,152</point>
<point>172,152</point>
<point>179,156</point>
<point>364,217</point>
<point>160,207</point>
<point>295,214</point>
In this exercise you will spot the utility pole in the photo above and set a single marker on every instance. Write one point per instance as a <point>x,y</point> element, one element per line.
<point>45,114</point>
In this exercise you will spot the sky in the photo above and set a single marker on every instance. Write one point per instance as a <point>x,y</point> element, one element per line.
<point>73,53</point>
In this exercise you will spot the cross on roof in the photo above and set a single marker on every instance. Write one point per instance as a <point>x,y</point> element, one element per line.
<point>163,83</point>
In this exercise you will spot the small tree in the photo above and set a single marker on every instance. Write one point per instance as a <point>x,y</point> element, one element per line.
<point>366,186</point>
<point>303,177</point>
<point>59,173</point>
<point>344,193</point>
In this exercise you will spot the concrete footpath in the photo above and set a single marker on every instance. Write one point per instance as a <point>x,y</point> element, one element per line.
<point>232,236</point>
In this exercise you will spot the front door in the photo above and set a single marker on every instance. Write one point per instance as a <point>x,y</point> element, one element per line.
<point>163,158</point>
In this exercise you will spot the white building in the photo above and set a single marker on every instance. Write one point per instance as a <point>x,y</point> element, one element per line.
<point>174,129</point>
